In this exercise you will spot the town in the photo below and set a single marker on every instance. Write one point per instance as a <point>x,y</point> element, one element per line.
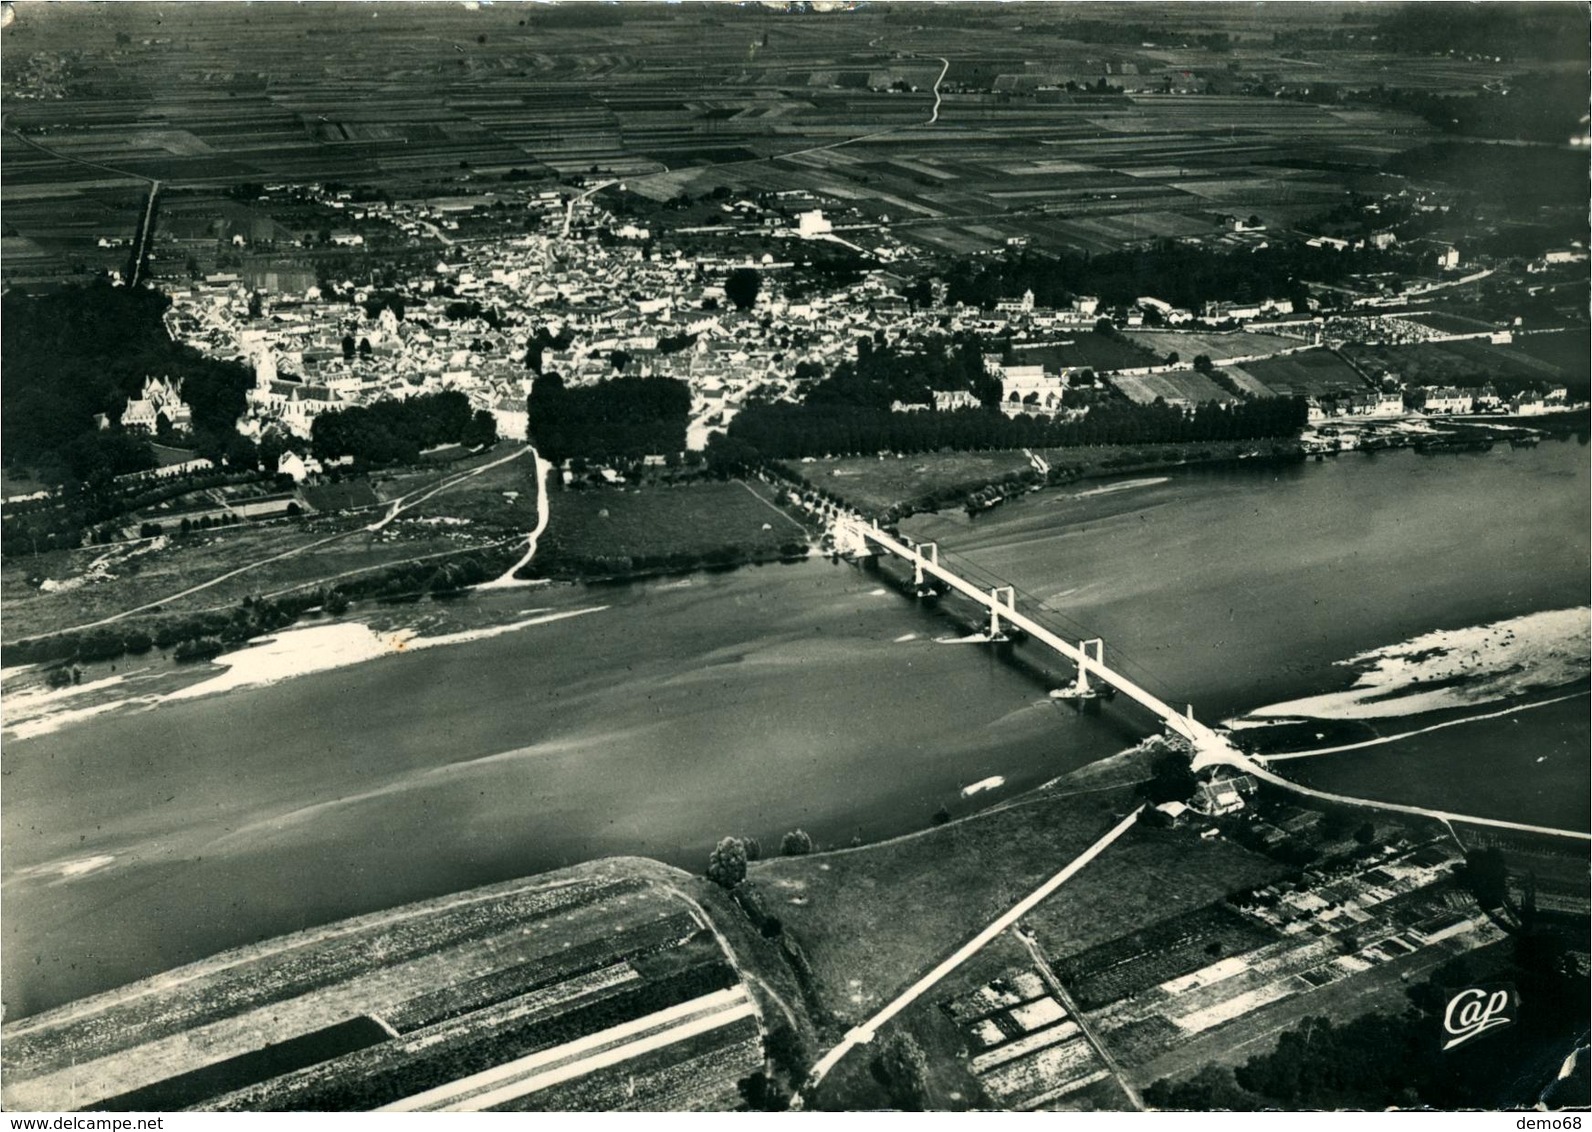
<point>794,556</point>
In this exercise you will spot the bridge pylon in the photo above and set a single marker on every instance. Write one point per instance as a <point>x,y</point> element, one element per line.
<point>924,552</point>
<point>1093,651</point>
<point>995,607</point>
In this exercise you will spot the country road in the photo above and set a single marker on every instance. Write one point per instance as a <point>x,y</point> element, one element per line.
<point>864,1033</point>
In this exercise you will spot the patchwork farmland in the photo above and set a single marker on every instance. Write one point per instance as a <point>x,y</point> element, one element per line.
<point>414,103</point>
<point>601,986</point>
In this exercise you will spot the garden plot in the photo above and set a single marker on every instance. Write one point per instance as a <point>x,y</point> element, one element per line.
<point>1030,1051</point>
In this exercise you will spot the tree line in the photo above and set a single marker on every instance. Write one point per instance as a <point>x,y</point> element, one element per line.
<point>398,431</point>
<point>1180,274</point>
<point>785,431</point>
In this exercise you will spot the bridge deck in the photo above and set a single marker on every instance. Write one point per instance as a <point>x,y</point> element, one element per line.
<point>1185,725</point>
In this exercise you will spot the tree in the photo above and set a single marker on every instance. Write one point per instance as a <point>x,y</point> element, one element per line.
<point>742,287</point>
<point>1203,363</point>
<point>241,452</point>
<point>348,347</point>
<point>754,849</point>
<point>727,863</point>
<point>1366,834</point>
<point>764,1093</point>
<point>364,348</point>
<point>1171,779</point>
<point>796,843</point>
<point>903,1070</point>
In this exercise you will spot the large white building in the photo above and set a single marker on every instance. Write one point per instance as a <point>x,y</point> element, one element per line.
<point>1029,389</point>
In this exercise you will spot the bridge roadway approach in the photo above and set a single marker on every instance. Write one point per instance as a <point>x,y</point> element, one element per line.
<point>854,536</point>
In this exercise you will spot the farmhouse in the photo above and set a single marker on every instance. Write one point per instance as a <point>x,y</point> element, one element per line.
<point>1446,399</point>
<point>948,400</point>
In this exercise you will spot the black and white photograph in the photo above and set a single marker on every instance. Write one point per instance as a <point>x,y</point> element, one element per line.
<point>843,556</point>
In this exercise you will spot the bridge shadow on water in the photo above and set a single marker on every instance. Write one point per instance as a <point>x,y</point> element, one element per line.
<point>1033,662</point>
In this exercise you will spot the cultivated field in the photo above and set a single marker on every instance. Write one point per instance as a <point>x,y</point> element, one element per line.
<point>444,101</point>
<point>600,986</point>
<point>1538,360</point>
<point>1312,373</point>
<point>1189,388</point>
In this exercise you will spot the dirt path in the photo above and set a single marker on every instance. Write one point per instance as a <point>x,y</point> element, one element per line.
<point>544,511</point>
<point>399,506</point>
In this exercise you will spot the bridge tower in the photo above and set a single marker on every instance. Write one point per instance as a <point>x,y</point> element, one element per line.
<point>995,607</point>
<point>1080,687</point>
<point>924,552</point>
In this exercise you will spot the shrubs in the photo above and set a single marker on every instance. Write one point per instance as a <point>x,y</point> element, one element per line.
<point>796,843</point>
<point>199,648</point>
<point>751,901</point>
<point>903,1070</point>
<point>258,615</point>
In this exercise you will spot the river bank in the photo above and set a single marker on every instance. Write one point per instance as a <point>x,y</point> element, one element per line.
<point>269,807</point>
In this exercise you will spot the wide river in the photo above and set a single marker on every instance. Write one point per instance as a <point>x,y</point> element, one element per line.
<point>671,713</point>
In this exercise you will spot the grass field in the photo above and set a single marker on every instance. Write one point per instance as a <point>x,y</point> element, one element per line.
<point>1218,347</point>
<point>656,522</point>
<point>1311,373</point>
<point>872,920</point>
<point>1565,350</point>
<point>877,483</point>
<point>1086,348</point>
<point>134,574</point>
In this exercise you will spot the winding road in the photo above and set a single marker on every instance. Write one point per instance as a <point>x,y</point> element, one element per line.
<point>543,513</point>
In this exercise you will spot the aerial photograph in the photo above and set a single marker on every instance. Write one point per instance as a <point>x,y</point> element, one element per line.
<point>821,555</point>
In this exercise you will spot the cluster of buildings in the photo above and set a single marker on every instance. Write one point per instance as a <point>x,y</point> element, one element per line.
<point>587,309</point>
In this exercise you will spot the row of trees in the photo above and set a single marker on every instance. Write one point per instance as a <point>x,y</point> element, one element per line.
<point>555,562</point>
<point>1180,274</point>
<point>398,431</point>
<point>786,431</point>
<point>727,863</point>
<point>622,417</point>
